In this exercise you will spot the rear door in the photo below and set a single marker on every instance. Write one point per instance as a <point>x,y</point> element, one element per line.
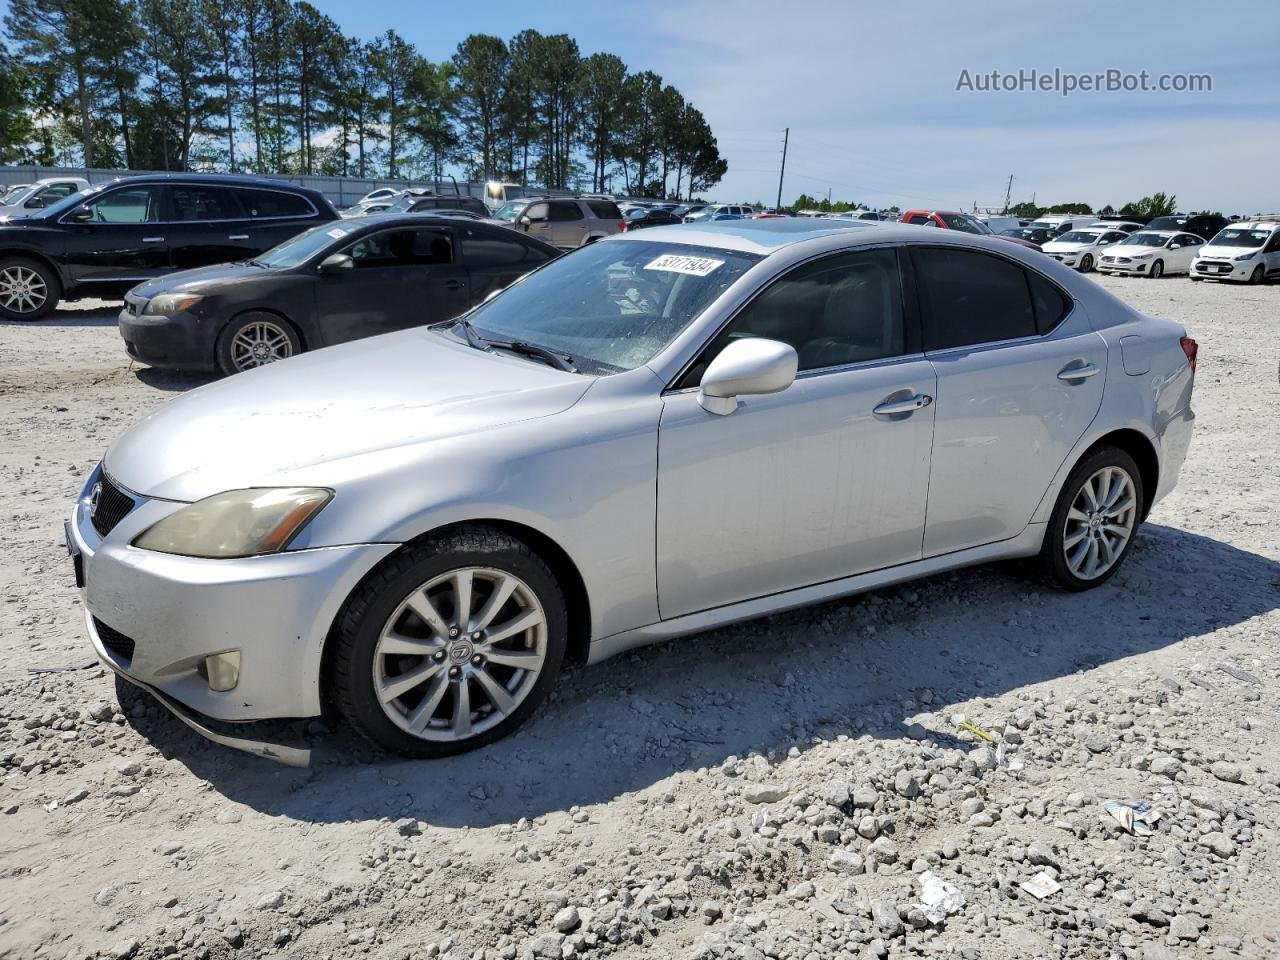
<point>1020,378</point>
<point>123,241</point>
<point>568,225</point>
<point>273,217</point>
<point>206,225</point>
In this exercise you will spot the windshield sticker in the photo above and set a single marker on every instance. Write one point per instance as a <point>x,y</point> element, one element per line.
<point>337,233</point>
<point>678,263</point>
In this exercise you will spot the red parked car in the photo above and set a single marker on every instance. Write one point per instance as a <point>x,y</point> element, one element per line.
<point>949,220</point>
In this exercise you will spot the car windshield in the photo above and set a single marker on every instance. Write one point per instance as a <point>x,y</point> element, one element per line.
<point>510,210</point>
<point>13,194</point>
<point>304,246</point>
<point>1232,237</point>
<point>1079,236</point>
<point>1145,240</point>
<point>966,223</point>
<point>611,305</point>
<point>402,204</point>
<point>60,207</point>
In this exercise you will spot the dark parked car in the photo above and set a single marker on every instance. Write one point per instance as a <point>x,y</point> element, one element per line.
<point>653,217</point>
<point>1203,225</point>
<point>102,241</point>
<point>336,282</point>
<point>409,203</point>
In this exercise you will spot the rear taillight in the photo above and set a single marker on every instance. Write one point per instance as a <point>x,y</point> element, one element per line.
<point>1192,350</point>
<point>622,225</point>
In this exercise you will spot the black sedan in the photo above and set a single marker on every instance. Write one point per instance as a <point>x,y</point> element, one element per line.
<point>336,282</point>
<point>649,217</point>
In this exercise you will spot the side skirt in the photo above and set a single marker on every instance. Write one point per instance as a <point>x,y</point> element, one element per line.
<point>1025,544</point>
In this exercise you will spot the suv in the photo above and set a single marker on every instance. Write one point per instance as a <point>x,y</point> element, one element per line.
<point>1248,251</point>
<point>102,241</point>
<point>1204,225</point>
<point>569,222</point>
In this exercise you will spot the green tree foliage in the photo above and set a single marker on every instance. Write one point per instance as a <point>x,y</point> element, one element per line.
<point>274,86</point>
<point>1156,205</point>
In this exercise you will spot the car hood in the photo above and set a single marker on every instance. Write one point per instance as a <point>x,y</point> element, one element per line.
<point>199,278</point>
<point>1225,253</point>
<point>1058,246</point>
<point>385,393</point>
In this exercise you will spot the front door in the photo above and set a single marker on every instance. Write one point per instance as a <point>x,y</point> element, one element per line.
<point>401,278</point>
<point>821,481</point>
<point>1020,378</point>
<point>122,241</point>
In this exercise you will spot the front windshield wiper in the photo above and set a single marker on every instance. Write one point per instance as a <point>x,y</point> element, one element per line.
<point>258,263</point>
<point>561,361</point>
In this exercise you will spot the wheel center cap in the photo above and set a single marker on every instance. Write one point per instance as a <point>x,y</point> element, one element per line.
<point>460,651</point>
<point>1095,522</point>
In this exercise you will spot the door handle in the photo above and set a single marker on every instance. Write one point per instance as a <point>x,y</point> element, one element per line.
<point>910,405</point>
<point>453,284</point>
<point>238,236</point>
<point>1076,374</point>
<point>153,239</point>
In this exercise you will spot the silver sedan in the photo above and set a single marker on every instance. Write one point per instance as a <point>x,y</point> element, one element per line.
<point>656,435</point>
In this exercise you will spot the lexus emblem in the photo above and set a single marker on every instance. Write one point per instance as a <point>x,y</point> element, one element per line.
<point>95,497</point>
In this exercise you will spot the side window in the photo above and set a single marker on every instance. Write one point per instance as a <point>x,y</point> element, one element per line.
<point>564,211</point>
<point>431,247</point>
<point>537,211</point>
<point>274,203</point>
<point>839,310</point>
<point>919,219</point>
<point>401,248</point>
<point>56,191</point>
<point>127,205</point>
<point>971,298</point>
<point>1050,303</point>
<point>488,250</point>
<point>605,209</point>
<point>1274,243</point>
<point>203,203</point>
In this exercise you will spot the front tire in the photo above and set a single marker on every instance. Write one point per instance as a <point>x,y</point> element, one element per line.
<point>1258,275</point>
<point>1086,263</point>
<point>450,645</point>
<point>1157,270</point>
<point>255,339</point>
<point>29,290</point>
<point>1094,521</point>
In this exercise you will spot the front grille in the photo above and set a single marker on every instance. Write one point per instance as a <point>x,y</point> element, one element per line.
<point>115,641</point>
<point>109,506</point>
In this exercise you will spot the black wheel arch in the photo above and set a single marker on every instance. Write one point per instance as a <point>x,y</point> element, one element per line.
<point>43,259</point>
<point>1143,451</point>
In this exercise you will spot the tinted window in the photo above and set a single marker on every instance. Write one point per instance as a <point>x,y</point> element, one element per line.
<point>565,210</point>
<point>605,209</point>
<point>486,249</point>
<point>57,191</point>
<point>401,248</point>
<point>127,205</point>
<point>972,298</point>
<point>203,203</point>
<point>1049,302</point>
<point>273,203</point>
<point>918,218</point>
<point>839,310</point>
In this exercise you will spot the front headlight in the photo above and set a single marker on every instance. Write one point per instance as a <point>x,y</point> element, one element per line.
<point>1246,256</point>
<point>167,304</point>
<point>238,523</point>
<point>1141,256</point>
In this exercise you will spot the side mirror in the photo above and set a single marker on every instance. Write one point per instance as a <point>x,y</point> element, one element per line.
<point>745,368</point>
<point>80,215</point>
<point>335,264</point>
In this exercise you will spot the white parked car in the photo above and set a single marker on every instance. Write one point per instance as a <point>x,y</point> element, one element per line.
<point>1124,226</point>
<point>1079,248</point>
<point>1151,253</point>
<point>1059,223</point>
<point>1247,251</point>
<point>41,194</point>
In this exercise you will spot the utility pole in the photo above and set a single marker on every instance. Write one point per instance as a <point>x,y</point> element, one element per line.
<point>1008,194</point>
<point>786,135</point>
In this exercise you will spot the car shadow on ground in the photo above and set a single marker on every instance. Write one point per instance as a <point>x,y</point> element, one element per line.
<point>172,381</point>
<point>854,666</point>
<point>73,314</point>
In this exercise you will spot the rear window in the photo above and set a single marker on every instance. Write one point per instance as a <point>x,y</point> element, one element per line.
<point>972,298</point>
<point>605,209</point>
<point>275,203</point>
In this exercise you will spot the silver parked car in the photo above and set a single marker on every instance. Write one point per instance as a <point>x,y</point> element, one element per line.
<point>655,435</point>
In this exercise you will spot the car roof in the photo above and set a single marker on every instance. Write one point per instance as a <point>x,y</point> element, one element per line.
<point>766,236</point>
<point>220,179</point>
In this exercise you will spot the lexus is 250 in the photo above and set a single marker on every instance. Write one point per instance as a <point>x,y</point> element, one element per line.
<point>655,435</point>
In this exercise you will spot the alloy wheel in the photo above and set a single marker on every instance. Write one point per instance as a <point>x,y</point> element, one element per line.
<point>22,290</point>
<point>460,653</point>
<point>1086,264</point>
<point>1100,522</point>
<point>259,343</point>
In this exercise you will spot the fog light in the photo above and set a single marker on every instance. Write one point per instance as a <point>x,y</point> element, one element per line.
<point>222,670</point>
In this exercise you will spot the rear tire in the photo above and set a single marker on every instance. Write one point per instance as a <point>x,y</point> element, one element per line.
<point>1094,521</point>
<point>29,290</point>
<point>443,683</point>
<point>255,339</point>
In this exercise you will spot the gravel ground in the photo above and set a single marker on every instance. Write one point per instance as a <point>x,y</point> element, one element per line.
<point>786,788</point>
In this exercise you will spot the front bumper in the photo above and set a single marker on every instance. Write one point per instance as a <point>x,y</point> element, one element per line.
<point>179,342</point>
<point>154,617</point>
<point>1223,269</point>
<point>1136,267</point>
